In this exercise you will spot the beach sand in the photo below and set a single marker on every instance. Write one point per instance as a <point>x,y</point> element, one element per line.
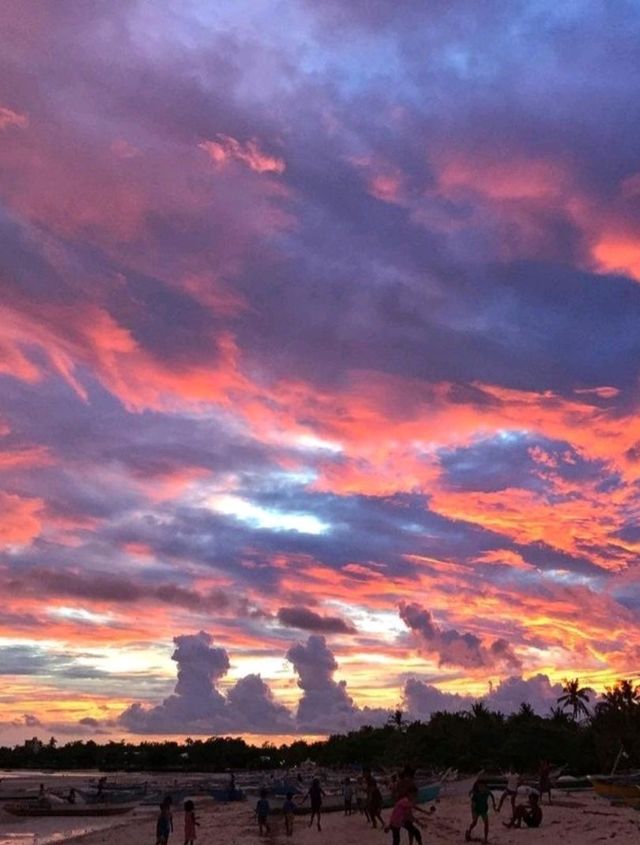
<point>575,820</point>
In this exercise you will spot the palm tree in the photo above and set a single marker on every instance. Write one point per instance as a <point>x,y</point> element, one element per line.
<point>622,697</point>
<point>575,697</point>
<point>479,710</point>
<point>558,716</point>
<point>396,719</point>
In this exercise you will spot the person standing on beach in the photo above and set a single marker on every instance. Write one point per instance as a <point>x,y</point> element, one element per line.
<point>288,811</point>
<point>480,795</point>
<point>347,794</point>
<point>544,773</point>
<point>190,823</point>
<point>315,795</point>
<point>164,825</point>
<point>262,813</point>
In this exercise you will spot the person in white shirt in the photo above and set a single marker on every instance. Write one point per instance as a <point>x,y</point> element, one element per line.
<point>511,789</point>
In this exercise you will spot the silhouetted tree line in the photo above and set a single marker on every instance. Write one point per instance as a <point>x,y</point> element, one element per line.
<point>584,740</point>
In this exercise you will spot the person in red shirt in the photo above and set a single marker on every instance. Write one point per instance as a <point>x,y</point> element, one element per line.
<point>402,817</point>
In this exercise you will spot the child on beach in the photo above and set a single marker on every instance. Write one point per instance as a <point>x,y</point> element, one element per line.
<point>511,790</point>
<point>288,811</point>
<point>531,815</point>
<point>262,813</point>
<point>480,795</point>
<point>347,794</point>
<point>164,825</point>
<point>190,823</point>
<point>402,817</point>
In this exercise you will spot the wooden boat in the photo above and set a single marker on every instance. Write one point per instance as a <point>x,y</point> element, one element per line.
<point>621,792</point>
<point>64,809</point>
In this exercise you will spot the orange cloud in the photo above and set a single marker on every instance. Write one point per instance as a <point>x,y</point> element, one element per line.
<point>20,519</point>
<point>617,253</point>
<point>72,337</point>
<point>226,149</point>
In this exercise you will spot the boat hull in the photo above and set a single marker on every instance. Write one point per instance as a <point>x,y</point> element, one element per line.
<point>626,793</point>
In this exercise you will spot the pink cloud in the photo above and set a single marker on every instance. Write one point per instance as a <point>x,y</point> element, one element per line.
<point>12,119</point>
<point>226,149</point>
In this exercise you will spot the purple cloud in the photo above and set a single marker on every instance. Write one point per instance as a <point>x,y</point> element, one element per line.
<point>455,648</point>
<point>308,620</point>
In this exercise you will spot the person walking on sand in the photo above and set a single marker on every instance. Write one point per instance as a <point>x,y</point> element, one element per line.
<point>262,813</point>
<point>361,799</point>
<point>480,795</point>
<point>288,811</point>
<point>164,824</point>
<point>190,823</point>
<point>315,795</point>
<point>374,802</point>
<point>402,817</point>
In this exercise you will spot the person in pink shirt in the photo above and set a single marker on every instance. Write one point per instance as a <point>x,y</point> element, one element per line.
<point>402,817</point>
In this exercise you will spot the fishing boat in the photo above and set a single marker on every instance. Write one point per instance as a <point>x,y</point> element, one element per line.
<point>622,791</point>
<point>24,809</point>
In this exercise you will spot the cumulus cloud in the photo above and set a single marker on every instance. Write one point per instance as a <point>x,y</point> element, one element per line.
<point>196,703</point>
<point>197,706</point>
<point>308,620</point>
<point>451,646</point>
<point>253,704</point>
<point>422,699</point>
<point>325,705</point>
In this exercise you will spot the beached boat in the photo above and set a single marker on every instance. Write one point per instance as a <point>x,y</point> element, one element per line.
<point>30,809</point>
<point>623,792</point>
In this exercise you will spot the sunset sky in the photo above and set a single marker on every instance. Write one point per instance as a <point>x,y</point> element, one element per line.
<point>319,360</point>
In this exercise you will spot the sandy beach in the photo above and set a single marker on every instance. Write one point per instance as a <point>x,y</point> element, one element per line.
<point>575,820</point>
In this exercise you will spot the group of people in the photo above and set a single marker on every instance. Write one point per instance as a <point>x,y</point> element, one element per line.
<point>529,814</point>
<point>365,793</point>
<point>315,794</point>
<point>368,802</point>
<point>164,824</point>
